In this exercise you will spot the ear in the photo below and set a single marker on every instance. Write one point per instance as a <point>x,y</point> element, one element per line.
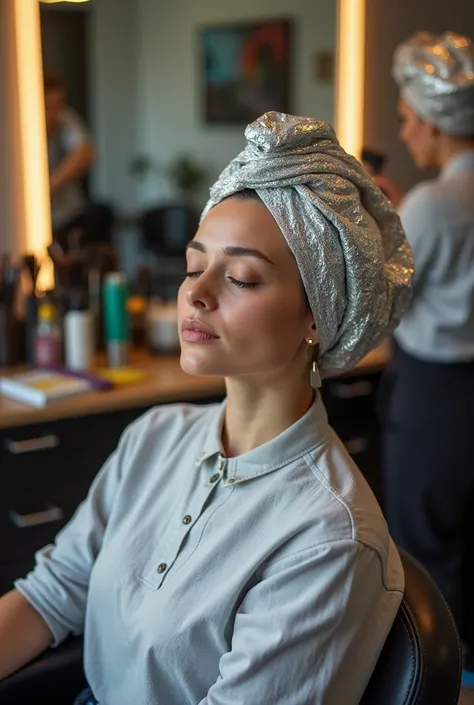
<point>312,333</point>
<point>432,129</point>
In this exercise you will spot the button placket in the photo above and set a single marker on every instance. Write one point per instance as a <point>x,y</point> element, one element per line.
<point>164,558</point>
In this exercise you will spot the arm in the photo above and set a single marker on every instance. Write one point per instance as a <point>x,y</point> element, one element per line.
<point>310,631</point>
<point>23,633</point>
<point>420,219</point>
<point>73,167</point>
<point>78,148</point>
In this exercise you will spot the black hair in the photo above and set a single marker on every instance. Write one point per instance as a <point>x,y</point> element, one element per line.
<point>247,194</point>
<point>52,81</point>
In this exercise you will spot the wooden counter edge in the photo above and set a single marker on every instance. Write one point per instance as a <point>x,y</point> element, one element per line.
<point>156,389</point>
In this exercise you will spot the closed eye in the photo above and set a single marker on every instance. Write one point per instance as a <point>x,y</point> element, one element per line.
<point>233,280</point>
<point>243,285</point>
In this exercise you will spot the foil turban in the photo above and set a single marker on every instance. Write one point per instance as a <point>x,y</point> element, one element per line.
<point>350,248</point>
<point>435,74</point>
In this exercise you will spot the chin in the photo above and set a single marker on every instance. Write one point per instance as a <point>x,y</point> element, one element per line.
<point>193,362</point>
<point>422,161</point>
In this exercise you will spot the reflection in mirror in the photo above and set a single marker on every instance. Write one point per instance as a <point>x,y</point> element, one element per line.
<point>156,98</point>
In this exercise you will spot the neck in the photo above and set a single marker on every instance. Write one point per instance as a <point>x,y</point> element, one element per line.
<point>257,413</point>
<point>451,147</point>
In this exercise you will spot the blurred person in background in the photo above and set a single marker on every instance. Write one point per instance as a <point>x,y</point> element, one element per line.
<point>428,448</point>
<point>70,157</point>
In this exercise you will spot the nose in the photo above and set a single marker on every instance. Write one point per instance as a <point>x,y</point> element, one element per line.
<point>200,296</point>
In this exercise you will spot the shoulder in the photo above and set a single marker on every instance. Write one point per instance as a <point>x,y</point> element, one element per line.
<point>162,427</point>
<point>72,125</point>
<point>428,207</point>
<point>337,513</point>
<point>345,500</point>
<point>70,117</point>
<point>419,204</point>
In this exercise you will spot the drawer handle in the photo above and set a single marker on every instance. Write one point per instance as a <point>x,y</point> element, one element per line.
<point>31,445</point>
<point>356,445</point>
<point>350,391</point>
<point>46,516</point>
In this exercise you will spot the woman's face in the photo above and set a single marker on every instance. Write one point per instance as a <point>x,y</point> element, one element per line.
<point>419,137</point>
<point>241,308</point>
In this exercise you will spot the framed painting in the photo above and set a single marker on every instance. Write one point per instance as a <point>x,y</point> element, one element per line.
<point>245,70</point>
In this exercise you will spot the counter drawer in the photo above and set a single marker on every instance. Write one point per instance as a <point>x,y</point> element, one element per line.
<point>58,453</point>
<point>351,398</point>
<point>30,523</point>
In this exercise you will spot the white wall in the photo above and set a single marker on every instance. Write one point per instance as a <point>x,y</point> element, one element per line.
<point>169,117</point>
<point>114,108</point>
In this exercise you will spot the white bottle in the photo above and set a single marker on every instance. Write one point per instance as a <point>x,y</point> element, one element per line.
<point>79,344</point>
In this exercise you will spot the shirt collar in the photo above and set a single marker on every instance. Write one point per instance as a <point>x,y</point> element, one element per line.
<point>297,440</point>
<point>461,162</point>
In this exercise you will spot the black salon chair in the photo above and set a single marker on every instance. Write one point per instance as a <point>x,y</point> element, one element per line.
<point>420,663</point>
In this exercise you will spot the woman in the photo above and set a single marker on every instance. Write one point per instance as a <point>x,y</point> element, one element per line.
<point>234,554</point>
<point>428,468</point>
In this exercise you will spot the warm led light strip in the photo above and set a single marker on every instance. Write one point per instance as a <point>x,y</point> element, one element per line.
<point>350,70</point>
<point>32,125</point>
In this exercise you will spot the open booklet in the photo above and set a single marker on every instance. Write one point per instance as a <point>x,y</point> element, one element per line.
<point>39,387</point>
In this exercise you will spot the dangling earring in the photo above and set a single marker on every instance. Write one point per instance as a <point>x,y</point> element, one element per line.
<point>314,376</point>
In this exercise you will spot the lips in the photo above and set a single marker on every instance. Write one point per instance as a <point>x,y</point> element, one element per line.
<point>195,331</point>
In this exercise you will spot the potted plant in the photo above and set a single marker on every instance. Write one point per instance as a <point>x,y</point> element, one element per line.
<point>187,176</point>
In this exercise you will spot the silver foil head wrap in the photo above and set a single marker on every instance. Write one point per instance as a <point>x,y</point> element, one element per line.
<point>435,74</point>
<point>351,251</point>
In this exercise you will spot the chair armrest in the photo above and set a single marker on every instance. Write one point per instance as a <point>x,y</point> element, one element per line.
<point>54,678</point>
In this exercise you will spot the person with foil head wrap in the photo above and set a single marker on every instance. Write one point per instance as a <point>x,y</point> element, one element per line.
<point>233,553</point>
<point>428,473</point>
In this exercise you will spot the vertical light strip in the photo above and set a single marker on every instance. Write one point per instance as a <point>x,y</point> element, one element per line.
<point>350,75</point>
<point>32,125</point>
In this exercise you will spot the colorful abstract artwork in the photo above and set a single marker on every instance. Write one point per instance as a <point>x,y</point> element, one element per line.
<point>246,70</point>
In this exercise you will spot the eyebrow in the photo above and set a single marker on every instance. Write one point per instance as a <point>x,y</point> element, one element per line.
<point>231,251</point>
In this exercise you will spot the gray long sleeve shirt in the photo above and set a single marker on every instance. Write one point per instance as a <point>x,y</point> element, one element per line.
<point>438,218</point>
<point>199,580</point>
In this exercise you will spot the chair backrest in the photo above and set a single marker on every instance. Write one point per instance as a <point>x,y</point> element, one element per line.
<point>420,663</point>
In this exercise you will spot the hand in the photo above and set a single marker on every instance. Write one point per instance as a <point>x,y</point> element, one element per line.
<point>390,188</point>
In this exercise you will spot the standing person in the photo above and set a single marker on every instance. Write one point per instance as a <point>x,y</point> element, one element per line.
<point>234,553</point>
<point>428,456</point>
<point>70,156</point>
